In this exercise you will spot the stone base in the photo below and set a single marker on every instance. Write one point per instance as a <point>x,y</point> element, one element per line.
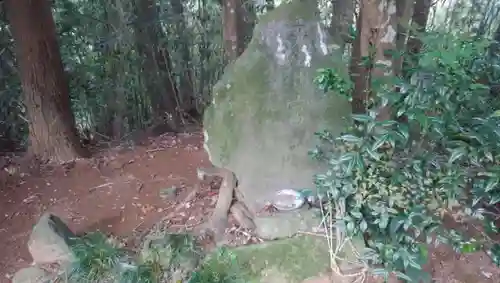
<point>286,224</point>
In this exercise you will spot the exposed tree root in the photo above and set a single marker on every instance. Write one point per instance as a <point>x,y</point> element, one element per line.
<point>219,219</point>
<point>242,215</point>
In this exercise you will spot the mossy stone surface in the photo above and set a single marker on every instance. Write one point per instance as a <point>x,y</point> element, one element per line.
<point>266,107</point>
<point>287,260</point>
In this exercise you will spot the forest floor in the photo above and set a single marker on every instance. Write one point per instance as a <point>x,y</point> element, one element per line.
<point>125,190</point>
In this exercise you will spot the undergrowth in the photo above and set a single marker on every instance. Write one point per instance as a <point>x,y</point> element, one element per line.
<point>392,182</point>
<point>222,267</point>
<point>167,258</point>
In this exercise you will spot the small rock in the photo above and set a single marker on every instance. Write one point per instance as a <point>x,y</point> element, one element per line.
<point>169,193</point>
<point>31,274</point>
<point>49,240</point>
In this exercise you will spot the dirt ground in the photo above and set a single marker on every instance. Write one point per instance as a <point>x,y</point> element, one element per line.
<point>125,190</point>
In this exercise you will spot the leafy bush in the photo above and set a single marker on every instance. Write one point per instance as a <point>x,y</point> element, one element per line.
<point>165,258</point>
<point>395,180</point>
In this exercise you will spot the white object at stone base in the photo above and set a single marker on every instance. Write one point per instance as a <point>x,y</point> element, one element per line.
<point>288,199</point>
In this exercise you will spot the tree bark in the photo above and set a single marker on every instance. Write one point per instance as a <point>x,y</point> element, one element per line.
<point>377,26</point>
<point>157,65</point>
<point>233,34</point>
<point>53,136</point>
<point>419,21</point>
<point>342,20</point>
<point>116,102</point>
<point>185,91</point>
<point>249,22</point>
<point>403,12</point>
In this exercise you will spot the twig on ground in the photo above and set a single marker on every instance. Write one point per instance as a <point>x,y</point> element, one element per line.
<point>100,186</point>
<point>341,240</point>
<point>187,226</point>
<point>313,234</point>
<point>155,150</point>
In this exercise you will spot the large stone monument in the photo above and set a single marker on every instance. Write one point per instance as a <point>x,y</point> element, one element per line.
<point>266,107</point>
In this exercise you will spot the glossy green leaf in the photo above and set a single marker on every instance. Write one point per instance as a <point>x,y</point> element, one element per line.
<point>494,199</point>
<point>403,276</point>
<point>362,118</point>
<point>379,142</point>
<point>457,154</point>
<point>492,184</point>
<point>350,138</point>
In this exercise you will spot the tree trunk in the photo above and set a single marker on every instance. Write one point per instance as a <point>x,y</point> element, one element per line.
<point>269,5</point>
<point>419,21</point>
<point>186,93</point>
<point>205,55</point>
<point>116,98</point>
<point>403,12</point>
<point>234,43</point>
<point>157,65</point>
<point>376,25</point>
<point>342,20</point>
<point>249,22</point>
<point>53,135</point>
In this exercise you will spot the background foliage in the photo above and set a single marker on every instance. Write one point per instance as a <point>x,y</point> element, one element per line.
<point>418,178</point>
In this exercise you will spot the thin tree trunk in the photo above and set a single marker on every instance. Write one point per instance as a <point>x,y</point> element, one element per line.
<point>233,34</point>
<point>186,93</point>
<point>404,11</point>
<point>359,73</point>
<point>342,20</point>
<point>116,101</point>
<point>53,135</point>
<point>249,22</point>
<point>419,21</point>
<point>157,65</point>
<point>377,25</point>
<point>204,49</point>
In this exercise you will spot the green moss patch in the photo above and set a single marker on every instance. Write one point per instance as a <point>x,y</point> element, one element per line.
<point>289,260</point>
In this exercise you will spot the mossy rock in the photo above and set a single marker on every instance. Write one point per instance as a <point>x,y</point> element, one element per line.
<point>288,260</point>
<point>266,107</point>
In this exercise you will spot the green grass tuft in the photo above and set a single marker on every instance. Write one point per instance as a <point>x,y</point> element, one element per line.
<point>221,267</point>
<point>96,258</point>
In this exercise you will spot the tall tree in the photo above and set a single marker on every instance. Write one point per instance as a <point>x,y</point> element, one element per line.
<point>404,10</point>
<point>249,11</point>
<point>157,66</point>
<point>419,22</point>
<point>376,26</point>
<point>342,20</point>
<point>53,135</point>
<point>233,29</point>
<point>114,125</point>
<point>185,90</point>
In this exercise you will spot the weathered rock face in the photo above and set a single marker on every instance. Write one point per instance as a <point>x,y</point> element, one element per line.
<point>266,108</point>
<point>32,274</point>
<point>50,240</point>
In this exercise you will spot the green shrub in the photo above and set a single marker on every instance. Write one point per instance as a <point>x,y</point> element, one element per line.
<point>394,181</point>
